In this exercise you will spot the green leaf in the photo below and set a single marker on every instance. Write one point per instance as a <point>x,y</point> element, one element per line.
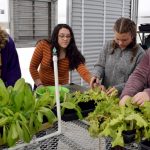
<point>4,121</point>
<point>19,130</point>
<point>19,93</point>
<point>43,100</point>
<point>94,128</point>
<point>10,140</point>
<point>117,120</point>
<point>107,131</point>
<point>19,85</point>
<point>49,114</point>
<point>37,124</point>
<point>4,95</point>
<point>146,109</point>
<point>29,99</point>
<point>79,114</point>
<point>14,131</point>
<point>139,120</point>
<point>40,116</point>
<point>119,139</point>
<point>7,111</point>
<point>23,118</point>
<point>27,136</point>
<point>4,134</point>
<point>18,100</point>
<point>68,105</point>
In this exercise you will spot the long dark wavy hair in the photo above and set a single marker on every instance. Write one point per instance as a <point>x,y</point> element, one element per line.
<point>72,53</point>
<point>125,25</point>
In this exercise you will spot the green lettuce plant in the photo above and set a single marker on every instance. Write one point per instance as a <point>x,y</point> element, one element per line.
<point>110,120</point>
<point>21,112</point>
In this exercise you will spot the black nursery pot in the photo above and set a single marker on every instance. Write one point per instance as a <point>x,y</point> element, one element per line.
<point>118,148</point>
<point>144,145</point>
<point>86,107</point>
<point>1,130</point>
<point>128,136</point>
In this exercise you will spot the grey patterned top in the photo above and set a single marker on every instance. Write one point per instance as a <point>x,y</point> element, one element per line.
<point>114,69</point>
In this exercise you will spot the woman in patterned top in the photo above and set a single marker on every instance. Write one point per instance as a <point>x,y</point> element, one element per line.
<point>118,58</point>
<point>69,58</point>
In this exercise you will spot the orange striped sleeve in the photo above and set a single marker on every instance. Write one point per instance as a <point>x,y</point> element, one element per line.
<point>84,73</point>
<point>36,60</point>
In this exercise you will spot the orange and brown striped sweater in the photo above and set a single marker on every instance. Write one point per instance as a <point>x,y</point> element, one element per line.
<point>41,68</point>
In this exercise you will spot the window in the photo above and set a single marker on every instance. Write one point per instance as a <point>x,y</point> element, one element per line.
<point>31,20</point>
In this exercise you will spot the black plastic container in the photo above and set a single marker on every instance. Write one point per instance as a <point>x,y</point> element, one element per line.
<point>118,148</point>
<point>144,145</point>
<point>86,107</point>
<point>128,136</point>
<point>144,27</point>
<point>74,87</point>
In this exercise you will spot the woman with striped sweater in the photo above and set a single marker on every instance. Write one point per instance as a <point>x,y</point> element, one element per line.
<point>69,58</point>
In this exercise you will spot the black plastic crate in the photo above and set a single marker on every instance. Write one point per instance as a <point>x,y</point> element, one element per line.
<point>144,27</point>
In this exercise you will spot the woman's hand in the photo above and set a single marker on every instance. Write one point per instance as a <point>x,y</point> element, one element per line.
<point>94,82</point>
<point>140,98</point>
<point>102,88</point>
<point>111,90</point>
<point>123,100</point>
<point>38,83</point>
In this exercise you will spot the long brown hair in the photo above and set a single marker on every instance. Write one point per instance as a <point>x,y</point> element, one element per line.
<point>125,25</point>
<point>72,52</point>
<point>3,38</point>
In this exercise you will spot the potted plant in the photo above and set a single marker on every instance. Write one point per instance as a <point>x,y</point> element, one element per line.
<point>21,113</point>
<point>110,120</point>
<point>78,104</point>
<point>51,89</point>
<point>145,142</point>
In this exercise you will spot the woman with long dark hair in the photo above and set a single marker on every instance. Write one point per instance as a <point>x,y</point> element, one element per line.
<point>69,58</point>
<point>118,58</point>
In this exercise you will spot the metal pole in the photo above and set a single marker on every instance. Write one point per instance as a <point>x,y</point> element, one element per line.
<point>57,88</point>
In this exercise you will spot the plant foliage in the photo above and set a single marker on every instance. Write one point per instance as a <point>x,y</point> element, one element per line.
<point>21,113</point>
<point>110,120</point>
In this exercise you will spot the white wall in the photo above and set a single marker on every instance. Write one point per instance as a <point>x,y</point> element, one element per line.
<point>144,11</point>
<point>4,6</point>
<point>4,20</point>
<point>25,55</point>
<point>62,11</point>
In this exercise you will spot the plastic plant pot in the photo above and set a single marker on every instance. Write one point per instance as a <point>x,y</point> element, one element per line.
<point>51,89</point>
<point>129,136</point>
<point>118,148</point>
<point>144,145</point>
<point>71,114</point>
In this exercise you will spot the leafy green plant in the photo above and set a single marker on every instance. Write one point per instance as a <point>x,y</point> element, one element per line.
<point>73,100</point>
<point>145,110</point>
<point>51,89</point>
<point>21,113</point>
<point>110,120</point>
